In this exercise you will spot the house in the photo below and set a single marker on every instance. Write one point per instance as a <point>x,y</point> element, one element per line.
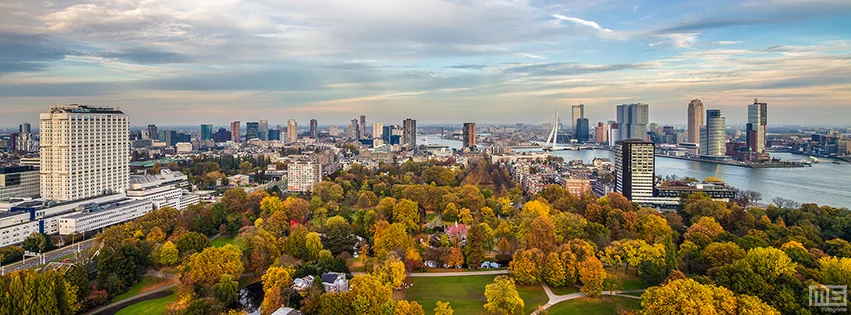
<point>301,284</point>
<point>457,230</point>
<point>335,282</point>
<point>286,311</point>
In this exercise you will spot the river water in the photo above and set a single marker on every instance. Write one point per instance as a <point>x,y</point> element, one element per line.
<point>825,183</point>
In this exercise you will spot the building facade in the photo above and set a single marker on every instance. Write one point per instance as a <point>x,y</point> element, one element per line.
<point>301,177</point>
<point>601,133</point>
<point>715,134</point>
<point>695,120</point>
<point>632,121</point>
<point>409,134</point>
<point>757,121</point>
<point>85,152</point>
<point>263,130</point>
<point>19,182</point>
<point>292,131</point>
<point>377,130</point>
<point>167,189</point>
<point>234,131</point>
<point>635,169</point>
<point>206,132</point>
<point>582,132</point>
<point>93,216</point>
<point>314,124</point>
<point>252,130</point>
<point>577,112</point>
<point>469,132</point>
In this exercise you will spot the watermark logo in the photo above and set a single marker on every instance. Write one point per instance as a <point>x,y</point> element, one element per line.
<point>831,298</point>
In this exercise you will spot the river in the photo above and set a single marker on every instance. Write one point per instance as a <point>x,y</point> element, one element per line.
<point>825,183</point>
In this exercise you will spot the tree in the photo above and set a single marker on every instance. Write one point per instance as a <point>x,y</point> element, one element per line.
<point>503,297</point>
<point>297,208</point>
<point>443,308</point>
<point>704,231</point>
<point>451,212</point>
<point>592,275</point>
<point>524,267</point>
<point>406,212</point>
<point>835,270</point>
<point>770,262</point>
<point>313,245</point>
<point>226,290</point>
<point>555,273</point>
<point>339,235</point>
<point>838,247</point>
<point>542,234</point>
<point>271,205</point>
<point>276,277</point>
<point>368,296</point>
<point>720,254</point>
<point>454,258</point>
<point>390,271</point>
<point>391,238</point>
<point>474,250</point>
<point>169,255</point>
<point>687,296</point>
<point>404,307</point>
<point>207,267</point>
<point>367,199</point>
<point>35,242</point>
<point>536,208</point>
<point>192,242</point>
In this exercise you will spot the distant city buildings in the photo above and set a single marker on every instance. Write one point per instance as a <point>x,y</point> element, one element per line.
<point>695,120</point>
<point>263,130</point>
<point>153,133</point>
<point>755,128</point>
<point>234,131</point>
<point>469,132</point>
<point>206,132</point>
<point>577,113</point>
<point>354,130</point>
<point>85,152</point>
<point>222,135</point>
<point>632,121</point>
<point>582,132</point>
<point>716,128</point>
<point>377,130</point>
<point>363,127</point>
<point>19,181</point>
<point>252,130</point>
<point>292,131</point>
<point>166,189</point>
<point>601,133</point>
<point>301,176</point>
<point>313,128</point>
<point>409,135</point>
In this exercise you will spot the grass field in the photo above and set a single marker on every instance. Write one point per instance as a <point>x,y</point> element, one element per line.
<point>146,284</point>
<point>606,305</point>
<point>466,294</point>
<point>149,307</point>
<point>629,280</point>
<point>221,241</point>
<point>565,290</point>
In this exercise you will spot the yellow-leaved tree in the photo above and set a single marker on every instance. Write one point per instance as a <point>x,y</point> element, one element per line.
<point>503,297</point>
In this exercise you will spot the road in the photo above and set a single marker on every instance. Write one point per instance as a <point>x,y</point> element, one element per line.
<point>50,256</point>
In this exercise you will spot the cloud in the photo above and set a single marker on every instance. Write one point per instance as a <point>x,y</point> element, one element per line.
<point>582,22</point>
<point>531,56</point>
<point>25,52</point>
<point>144,56</point>
<point>560,69</point>
<point>727,42</point>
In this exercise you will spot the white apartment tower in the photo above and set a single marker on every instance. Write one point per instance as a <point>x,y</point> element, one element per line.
<point>377,130</point>
<point>302,176</point>
<point>292,131</point>
<point>85,152</point>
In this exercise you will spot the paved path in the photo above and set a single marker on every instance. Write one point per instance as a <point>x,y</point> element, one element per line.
<point>457,274</point>
<point>106,309</point>
<point>50,256</point>
<point>555,299</point>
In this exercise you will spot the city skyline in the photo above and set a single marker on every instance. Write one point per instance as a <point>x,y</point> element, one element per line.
<point>488,61</point>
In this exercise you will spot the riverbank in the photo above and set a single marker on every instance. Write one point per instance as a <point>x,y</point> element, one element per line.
<point>740,164</point>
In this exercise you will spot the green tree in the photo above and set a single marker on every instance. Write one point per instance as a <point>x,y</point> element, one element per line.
<point>474,250</point>
<point>226,290</point>
<point>313,244</point>
<point>192,242</point>
<point>35,242</point>
<point>169,255</point>
<point>407,212</point>
<point>502,297</point>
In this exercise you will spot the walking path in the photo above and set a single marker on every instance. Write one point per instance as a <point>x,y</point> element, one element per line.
<point>555,299</point>
<point>450,274</point>
<point>128,302</point>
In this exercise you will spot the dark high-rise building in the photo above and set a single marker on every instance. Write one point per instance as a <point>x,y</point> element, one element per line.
<point>206,132</point>
<point>221,136</point>
<point>234,131</point>
<point>275,135</point>
<point>354,129</point>
<point>577,113</point>
<point>387,132</point>
<point>362,126</point>
<point>170,137</point>
<point>409,135</point>
<point>582,133</point>
<point>313,125</point>
<point>13,143</point>
<point>469,135</point>
<point>632,121</point>
<point>153,133</point>
<point>24,128</point>
<point>635,169</point>
<point>263,130</point>
<point>252,130</point>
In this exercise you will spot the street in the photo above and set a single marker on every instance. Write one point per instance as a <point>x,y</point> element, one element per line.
<point>33,262</point>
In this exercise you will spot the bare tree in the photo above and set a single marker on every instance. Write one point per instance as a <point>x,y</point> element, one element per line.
<point>784,203</point>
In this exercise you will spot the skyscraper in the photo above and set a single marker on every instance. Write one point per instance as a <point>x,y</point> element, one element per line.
<point>469,135</point>
<point>85,152</point>
<point>206,132</point>
<point>292,131</point>
<point>632,121</point>
<point>263,130</point>
<point>715,133</point>
<point>635,169</point>
<point>695,120</point>
<point>252,130</point>
<point>234,131</point>
<point>24,142</point>
<point>757,120</point>
<point>409,135</point>
<point>363,126</point>
<point>377,130</point>
<point>354,129</point>
<point>582,133</point>
<point>153,133</point>
<point>577,112</point>
<point>601,133</point>
<point>313,124</point>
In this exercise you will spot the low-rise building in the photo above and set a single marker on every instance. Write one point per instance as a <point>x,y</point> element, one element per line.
<point>167,189</point>
<point>93,216</point>
<point>19,182</point>
<point>577,186</point>
<point>335,282</point>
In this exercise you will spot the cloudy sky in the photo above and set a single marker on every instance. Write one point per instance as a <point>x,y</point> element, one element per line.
<point>176,62</point>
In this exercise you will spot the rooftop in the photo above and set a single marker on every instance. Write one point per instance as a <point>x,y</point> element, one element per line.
<point>15,169</point>
<point>77,108</point>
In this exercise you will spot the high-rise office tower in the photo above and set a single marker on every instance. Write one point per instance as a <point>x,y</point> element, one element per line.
<point>377,130</point>
<point>614,133</point>
<point>757,120</point>
<point>577,112</point>
<point>583,132</point>
<point>206,132</point>
<point>469,135</point>
<point>409,135</point>
<point>363,126</point>
<point>632,121</point>
<point>263,130</point>
<point>252,130</point>
<point>153,132</point>
<point>695,120</point>
<point>387,133</point>
<point>354,129</point>
<point>85,152</point>
<point>715,133</point>
<point>313,125</point>
<point>601,133</point>
<point>292,131</point>
<point>24,141</point>
<point>635,169</point>
<point>234,131</point>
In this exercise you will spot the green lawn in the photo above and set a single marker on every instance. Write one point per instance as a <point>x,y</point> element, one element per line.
<point>629,280</point>
<point>565,290</point>
<point>149,307</point>
<point>606,305</point>
<point>146,282</point>
<point>221,241</point>
<point>466,294</point>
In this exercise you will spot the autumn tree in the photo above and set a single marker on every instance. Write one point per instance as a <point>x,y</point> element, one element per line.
<point>390,271</point>
<point>770,262</point>
<point>502,297</point>
<point>453,258</point>
<point>395,236</point>
<point>554,272</point>
<point>313,245</point>
<point>592,275</point>
<point>274,280</point>
<point>297,208</point>
<point>169,254</point>
<point>367,199</point>
<point>474,250</point>
<point>404,307</point>
<point>206,268</point>
<point>525,267</point>
<point>704,231</point>
<point>406,212</point>
<point>720,254</point>
<point>687,296</point>
<point>192,242</point>
<point>542,234</point>
<point>443,308</point>
<point>368,296</point>
<point>835,270</point>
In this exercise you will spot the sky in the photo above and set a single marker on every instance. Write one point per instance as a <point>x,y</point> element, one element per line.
<point>186,62</point>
